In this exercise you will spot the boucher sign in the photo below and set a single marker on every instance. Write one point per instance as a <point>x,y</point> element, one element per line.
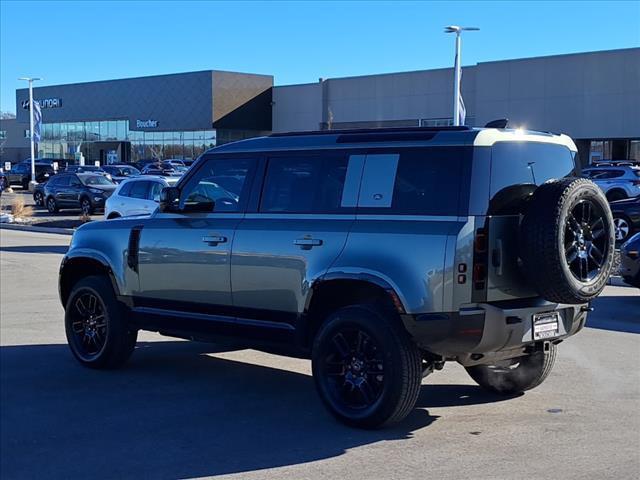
<point>146,123</point>
<point>44,103</point>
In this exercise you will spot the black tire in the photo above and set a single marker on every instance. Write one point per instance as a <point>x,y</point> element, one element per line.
<point>615,195</point>
<point>52,206</point>
<point>516,376</point>
<point>567,241</point>
<point>350,349</point>
<point>622,228</point>
<point>97,330</point>
<point>38,199</point>
<point>86,207</point>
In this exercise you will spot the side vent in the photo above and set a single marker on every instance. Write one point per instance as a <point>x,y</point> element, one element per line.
<point>134,246</point>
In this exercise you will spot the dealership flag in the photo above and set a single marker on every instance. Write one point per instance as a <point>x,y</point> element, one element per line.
<point>37,121</point>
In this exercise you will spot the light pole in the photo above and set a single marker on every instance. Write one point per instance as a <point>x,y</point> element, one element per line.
<point>457,70</point>
<point>33,155</point>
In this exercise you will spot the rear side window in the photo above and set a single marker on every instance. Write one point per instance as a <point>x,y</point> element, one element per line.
<point>527,163</point>
<point>304,184</point>
<point>139,190</point>
<point>425,181</point>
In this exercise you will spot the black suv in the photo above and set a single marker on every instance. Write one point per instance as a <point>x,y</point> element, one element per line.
<point>20,174</point>
<point>87,191</point>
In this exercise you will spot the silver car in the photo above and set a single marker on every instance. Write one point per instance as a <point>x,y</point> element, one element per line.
<point>378,254</point>
<point>617,182</point>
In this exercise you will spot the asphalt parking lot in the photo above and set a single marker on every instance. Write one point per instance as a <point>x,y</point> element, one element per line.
<point>183,409</point>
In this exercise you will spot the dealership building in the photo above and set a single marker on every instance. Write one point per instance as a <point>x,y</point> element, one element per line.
<point>594,97</point>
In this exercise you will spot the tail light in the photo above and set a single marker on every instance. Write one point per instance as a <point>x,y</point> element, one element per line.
<point>480,259</point>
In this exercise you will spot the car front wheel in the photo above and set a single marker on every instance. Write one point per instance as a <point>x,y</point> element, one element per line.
<point>366,368</point>
<point>622,228</point>
<point>514,376</point>
<point>52,206</point>
<point>95,325</point>
<point>86,207</point>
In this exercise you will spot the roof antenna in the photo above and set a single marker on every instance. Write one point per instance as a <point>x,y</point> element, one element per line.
<point>500,123</point>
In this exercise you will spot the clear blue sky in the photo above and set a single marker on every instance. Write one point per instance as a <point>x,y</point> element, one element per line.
<point>297,42</point>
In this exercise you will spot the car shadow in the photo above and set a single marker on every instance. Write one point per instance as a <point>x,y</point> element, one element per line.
<point>172,412</point>
<point>61,249</point>
<point>620,313</point>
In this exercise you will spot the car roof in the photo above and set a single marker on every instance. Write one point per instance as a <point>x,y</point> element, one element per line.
<point>385,137</point>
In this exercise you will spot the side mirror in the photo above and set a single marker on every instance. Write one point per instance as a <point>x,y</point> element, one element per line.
<point>169,199</point>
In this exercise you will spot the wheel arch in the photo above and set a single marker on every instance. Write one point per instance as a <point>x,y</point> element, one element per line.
<point>337,290</point>
<point>76,267</point>
<point>615,190</point>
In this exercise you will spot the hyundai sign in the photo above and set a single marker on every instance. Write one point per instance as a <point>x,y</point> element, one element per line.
<point>44,103</point>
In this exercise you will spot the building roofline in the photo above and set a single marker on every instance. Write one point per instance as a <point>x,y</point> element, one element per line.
<point>144,77</point>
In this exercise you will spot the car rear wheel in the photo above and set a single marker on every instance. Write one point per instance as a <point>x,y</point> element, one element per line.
<point>85,206</point>
<point>52,206</point>
<point>37,198</point>
<point>517,375</point>
<point>622,228</point>
<point>366,368</point>
<point>95,325</point>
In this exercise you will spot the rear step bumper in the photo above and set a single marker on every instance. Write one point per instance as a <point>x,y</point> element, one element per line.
<point>484,329</point>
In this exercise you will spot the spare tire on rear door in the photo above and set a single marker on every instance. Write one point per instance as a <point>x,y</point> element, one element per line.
<point>567,241</point>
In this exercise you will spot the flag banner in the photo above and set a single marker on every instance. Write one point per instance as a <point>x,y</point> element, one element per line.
<point>37,121</point>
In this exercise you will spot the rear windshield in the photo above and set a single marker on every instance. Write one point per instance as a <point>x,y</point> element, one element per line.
<point>517,168</point>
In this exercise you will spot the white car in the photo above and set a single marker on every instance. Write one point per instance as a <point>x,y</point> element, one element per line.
<point>136,196</point>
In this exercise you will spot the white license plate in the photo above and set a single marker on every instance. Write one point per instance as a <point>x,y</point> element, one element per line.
<point>545,325</point>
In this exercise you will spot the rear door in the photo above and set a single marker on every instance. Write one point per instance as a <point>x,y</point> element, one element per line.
<point>298,230</point>
<point>136,204</point>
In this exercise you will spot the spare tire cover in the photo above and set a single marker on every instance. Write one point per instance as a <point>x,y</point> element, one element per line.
<point>567,241</point>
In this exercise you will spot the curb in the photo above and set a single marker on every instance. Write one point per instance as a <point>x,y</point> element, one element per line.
<point>31,228</point>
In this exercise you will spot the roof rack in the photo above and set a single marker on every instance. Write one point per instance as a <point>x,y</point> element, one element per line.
<point>371,130</point>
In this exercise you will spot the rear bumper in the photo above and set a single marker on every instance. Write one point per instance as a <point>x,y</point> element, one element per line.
<point>481,330</point>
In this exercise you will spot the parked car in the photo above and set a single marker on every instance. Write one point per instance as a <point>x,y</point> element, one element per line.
<point>630,261</point>
<point>136,196</point>
<point>62,163</point>
<point>159,169</point>
<point>20,174</point>
<point>176,162</point>
<point>140,164</point>
<point>4,182</point>
<point>38,194</point>
<point>87,191</point>
<point>616,182</point>
<point>378,254</point>
<point>626,217</point>
<point>121,172</point>
<point>85,169</point>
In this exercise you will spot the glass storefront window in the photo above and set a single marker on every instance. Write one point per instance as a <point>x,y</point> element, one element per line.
<point>634,150</point>
<point>121,129</point>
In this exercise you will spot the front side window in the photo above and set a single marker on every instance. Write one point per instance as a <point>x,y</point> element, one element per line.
<point>220,185</point>
<point>304,184</point>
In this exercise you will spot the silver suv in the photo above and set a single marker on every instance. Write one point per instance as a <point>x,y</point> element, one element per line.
<point>378,254</point>
<point>617,182</point>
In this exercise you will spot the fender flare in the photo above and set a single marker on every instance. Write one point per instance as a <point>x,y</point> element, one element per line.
<point>80,254</point>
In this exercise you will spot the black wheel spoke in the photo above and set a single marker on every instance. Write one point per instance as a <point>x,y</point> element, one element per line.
<point>596,255</point>
<point>81,308</point>
<point>573,223</point>
<point>342,345</point>
<point>571,253</point>
<point>366,392</point>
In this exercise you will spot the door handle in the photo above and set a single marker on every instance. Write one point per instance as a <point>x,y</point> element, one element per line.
<point>307,242</point>
<point>214,239</point>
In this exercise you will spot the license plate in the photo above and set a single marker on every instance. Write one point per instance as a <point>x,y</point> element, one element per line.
<point>545,325</point>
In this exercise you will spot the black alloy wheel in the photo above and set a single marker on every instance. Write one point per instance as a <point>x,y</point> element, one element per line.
<point>586,240</point>
<point>354,365</point>
<point>366,368</point>
<point>96,325</point>
<point>89,324</point>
